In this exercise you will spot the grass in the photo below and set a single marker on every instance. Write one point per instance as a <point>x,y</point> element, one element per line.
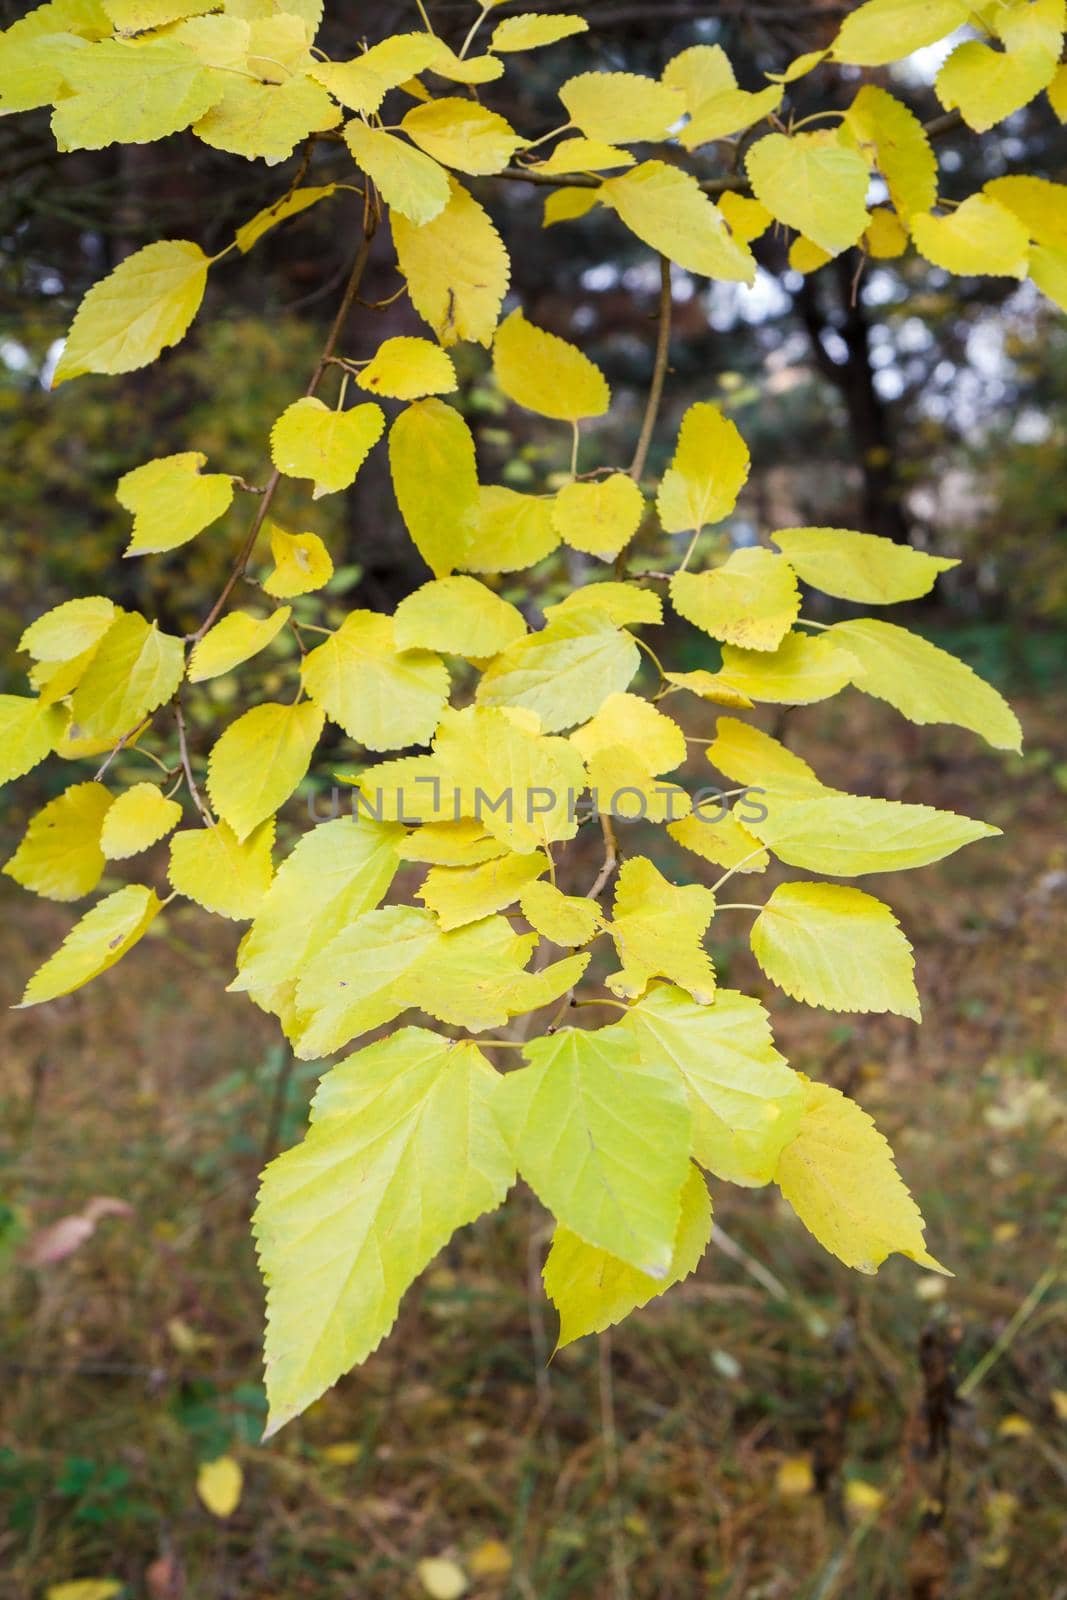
<point>762,1432</point>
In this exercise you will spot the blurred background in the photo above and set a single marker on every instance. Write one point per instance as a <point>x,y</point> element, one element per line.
<point>777,1426</point>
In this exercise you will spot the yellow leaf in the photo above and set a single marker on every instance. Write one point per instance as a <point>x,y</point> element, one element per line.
<point>462,134</point>
<point>863,1498</point>
<point>381,696</point>
<point>547,374</point>
<point>924,682</point>
<point>301,564</point>
<point>225,875</point>
<point>259,760</point>
<point>1048,270</point>
<point>583,155</point>
<point>710,686</point>
<point>838,1175</point>
<point>898,143</point>
<point>233,640</point>
<point>94,944</point>
<point>800,67</point>
<point>451,844</point>
<point>458,895</point>
<point>290,205</point>
<point>622,786</point>
<point>85,1589</point>
<point>458,616</point>
<point>267,120</point>
<point>707,472</point>
<point>860,566</point>
<point>564,673</point>
<point>981,237</point>
<point>813,184</point>
<point>795,1476</point>
<point>657,929</point>
<point>566,919</point>
<point>457,269</point>
<point>311,441</point>
<point>1040,206</point>
<point>729,112</point>
<point>363,83</point>
<point>33,50</point>
<point>888,30</point>
<point>621,106</point>
<point>565,205</point>
<point>623,604</point>
<point>668,210</point>
<point>68,629</point>
<point>700,72</point>
<point>601,516</point>
<point>491,1559</point>
<point>441,1579</point>
<point>986,85</point>
<point>593,1290</point>
<point>435,479</point>
<point>134,669</point>
<point>805,257</point>
<point>510,530</point>
<point>408,369</point>
<point>465,69</point>
<point>801,671</point>
<point>217,41</point>
<point>137,819</point>
<point>133,314</point>
<point>847,835</point>
<point>750,600</point>
<point>886,236</point>
<point>172,501</point>
<point>749,756</point>
<point>410,181</point>
<point>492,755</point>
<point>219,1484</point>
<point>121,91</point>
<point>631,721</point>
<point>530,31</point>
<point>836,947</point>
<point>745,217</point>
<point>60,856</point>
<point>1057,93</point>
<point>714,834</point>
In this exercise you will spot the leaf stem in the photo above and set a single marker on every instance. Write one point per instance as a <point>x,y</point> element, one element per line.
<point>659,372</point>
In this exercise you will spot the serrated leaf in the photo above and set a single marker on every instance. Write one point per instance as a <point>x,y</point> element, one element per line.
<point>102,937</point>
<point>465,69</point>
<point>219,1484</point>
<point>547,374</point>
<point>839,1176</point>
<point>657,929</point>
<point>334,874</point>
<point>509,531</point>
<point>310,441</point>
<point>458,616</point>
<point>126,92</point>
<point>266,121</point>
<point>1040,206</point>
<point>746,754</point>
<point>172,501</point>
<point>887,30</point>
<point>837,947</point>
<point>714,834</point>
<point>746,1101</point>
<point>620,107</point>
<point>986,85</point>
<point>404,1149</point>
<point>849,835</point>
<point>257,763</point>
<point>708,470</point>
<point>624,604</point>
<point>411,182</point>
<point>633,722</point>
<point>700,72</point>
<point>925,683</point>
<point>583,155</point>
<point>593,1290</point>
<point>459,895</point>
<point>362,83</point>
<point>979,238</point>
<point>408,369</point>
<point>601,517</point>
<point>860,566</point>
<point>564,673</point>
<point>224,874</point>
<point>479,969</point>
<point>621,785</point>
<point>751,600</point>
<point>381,696</point>
<point>290,205</point>
<point>135,16</point>
<point>899,145</point>
<point>137,819</point>
<point>451,844</point>
<point>800,672</point>
<point>531,31</point>
<point>236,638</point>
<point>29,730</point>
<point>129,317</point>
<point>301,564</point>
<point>60,856</point>
<point>456,267</point>
<point>435,479</point>
<point>69,629</point>
<point>602,1138</point>
<point>135,668</point>
<point>667,209</point>
<point>709,686</point>
<point>566,919</point>
<point>462,134</point>
<point>813,184</point>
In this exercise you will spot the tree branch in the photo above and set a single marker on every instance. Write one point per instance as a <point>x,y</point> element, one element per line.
<point>659,372</point>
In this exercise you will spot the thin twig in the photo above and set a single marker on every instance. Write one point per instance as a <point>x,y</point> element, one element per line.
<point>183,746</point>
<point>620,1582</point>
<point>611,858</point>
<point>659,372</point>
<point>123,742</point>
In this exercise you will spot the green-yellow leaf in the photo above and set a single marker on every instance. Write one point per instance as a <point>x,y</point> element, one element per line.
<point>709,686</point>
<point>714,834</point>
<point>745,1100</point>
<point>236,638</point>
<point>403,1149</point>
<point>848,835</point>
<point>68,629</point>
<point>135,668</point>
<point>60,856</point>
<point>172,501</point>
<point>29,730</point>
<point>530,31</point>
<point>94,944</point>
<point>129,317</point>
<point>85,1589</point>
<point>593,1290</point>
<point>751,600</point>
<point>451,844</point>
<point>860,566</point>
<point>837,947</point>
<point>510,530</point>
<point>565,919</point>
<point>136,820</point>
<point>658,928</point>
<point>462,134</point>
<point>411,182</point>
<point>135,16</point>
<point>547,374</point>
<point>509,776</point>
<point>583,155</point>
<point>899,145</point>
<point>408,369</point>
<point>601,516</point>
<point>219,1484</point>
<point>986,85</point>
<point>257,763</point>
<point>329,447</point>
<point>620,107</point>
<point>362,84</point>
<point>602,1137</point>
<point>801,671</point>
<point>564,673</point>
<point>132,92</point>
<point>840,1178</point>
<point>458,616</point>
<point>746,754</point>
<point>290,205</point>
<point>381,696</point>
<point>631,721</point>
<point>729,112</point>
<point>456,267</point>
<point>1040,206</point>
<point>745,217</point>
<point>301,564</point>
<point>812,183</point>
<point>624,604</point>
<point>266,121</point>
<point>222,873</point>
<point>888,30</point>
<point>980,238</point>
<point>435,479</point>
<point>707,472</point>
<point>667,209</point>
<point>458,895</point>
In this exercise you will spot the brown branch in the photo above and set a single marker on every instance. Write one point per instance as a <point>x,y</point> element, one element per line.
<point>187,768</point>
<point>659,372</point>
<point>611,857</point>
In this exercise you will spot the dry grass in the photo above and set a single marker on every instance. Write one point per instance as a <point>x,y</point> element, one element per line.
<point>651,1468</point>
